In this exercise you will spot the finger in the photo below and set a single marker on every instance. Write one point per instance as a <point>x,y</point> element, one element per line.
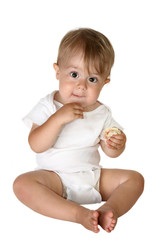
<point>116,141</point>
<point>118,136</point>
<point>78,112</point>
<point>79,116</point>
<point>114,145</point>
<point>78,106</point>
<point>110,147</point>
<point>121,138</point>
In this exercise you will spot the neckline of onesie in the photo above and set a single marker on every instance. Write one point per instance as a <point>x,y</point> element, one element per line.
<point>52,100</point>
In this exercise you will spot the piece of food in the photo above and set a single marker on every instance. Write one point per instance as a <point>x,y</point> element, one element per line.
<point>109,132</point>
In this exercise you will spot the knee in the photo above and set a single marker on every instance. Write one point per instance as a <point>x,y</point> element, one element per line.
<point>20,187</point>
<point>138,180</point>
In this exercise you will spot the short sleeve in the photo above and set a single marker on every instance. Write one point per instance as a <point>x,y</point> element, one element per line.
<point>110,122</point>
<point>40,113</point>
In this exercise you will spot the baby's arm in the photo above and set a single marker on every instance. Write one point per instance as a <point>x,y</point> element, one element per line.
<point>114,145</point>
<point>43,137</point>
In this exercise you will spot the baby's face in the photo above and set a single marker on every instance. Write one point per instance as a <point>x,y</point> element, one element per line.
<point>76,84</point>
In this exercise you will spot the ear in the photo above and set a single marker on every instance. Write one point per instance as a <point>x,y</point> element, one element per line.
<point>56,68</point>
<point>107,80</point>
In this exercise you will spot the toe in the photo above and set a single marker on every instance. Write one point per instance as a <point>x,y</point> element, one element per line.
<point>95,228</point>
<point>113,226</point>
<point>114,221</point>
<point>110,214</point>
<point>108,230</point>
<point>95,215</point>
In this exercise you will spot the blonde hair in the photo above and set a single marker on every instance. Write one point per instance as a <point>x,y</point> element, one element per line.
<point>96,48</point>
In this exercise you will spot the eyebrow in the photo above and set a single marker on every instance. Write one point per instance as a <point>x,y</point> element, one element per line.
<point>73,67</point>
<point>76,67</point>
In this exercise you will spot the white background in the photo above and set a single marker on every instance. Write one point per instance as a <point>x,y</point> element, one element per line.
<point>30,35</point>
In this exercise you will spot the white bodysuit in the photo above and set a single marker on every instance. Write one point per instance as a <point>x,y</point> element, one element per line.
<point>74,156</point>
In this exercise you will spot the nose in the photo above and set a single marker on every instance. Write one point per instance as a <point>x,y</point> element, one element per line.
<point>81,85</point>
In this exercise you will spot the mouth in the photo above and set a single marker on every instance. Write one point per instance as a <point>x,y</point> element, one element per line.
<point>77,96</point>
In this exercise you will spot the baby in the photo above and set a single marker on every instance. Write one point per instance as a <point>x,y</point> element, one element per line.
<point>67,128</point>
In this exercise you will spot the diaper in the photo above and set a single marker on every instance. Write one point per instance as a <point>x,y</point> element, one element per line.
<point>81,187</point>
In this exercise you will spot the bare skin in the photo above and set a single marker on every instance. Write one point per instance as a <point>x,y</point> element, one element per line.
<point>42,190</point>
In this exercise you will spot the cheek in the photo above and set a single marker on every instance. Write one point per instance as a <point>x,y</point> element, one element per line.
<point>94,92</point>
<point>65,87</point>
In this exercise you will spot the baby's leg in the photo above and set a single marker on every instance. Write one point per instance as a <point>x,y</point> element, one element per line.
<point>42,192</point>
<point>120,189</point>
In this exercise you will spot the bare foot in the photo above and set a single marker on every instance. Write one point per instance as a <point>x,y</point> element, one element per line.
<point>107,218</point>
<point>89,219</point>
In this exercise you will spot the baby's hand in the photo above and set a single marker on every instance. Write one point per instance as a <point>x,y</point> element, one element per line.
<point>116,142</point>
<point>70,112</point>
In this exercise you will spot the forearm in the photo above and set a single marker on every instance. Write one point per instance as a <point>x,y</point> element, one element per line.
<point>44,136</point>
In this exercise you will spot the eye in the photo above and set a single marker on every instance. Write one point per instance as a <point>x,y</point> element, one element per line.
<point>92,79</point>
<point>74,74</point>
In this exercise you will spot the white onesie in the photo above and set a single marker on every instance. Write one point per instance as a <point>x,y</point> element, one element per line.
<point>74,156</point>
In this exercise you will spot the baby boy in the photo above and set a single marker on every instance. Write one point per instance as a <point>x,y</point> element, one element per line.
<point>67,129</point>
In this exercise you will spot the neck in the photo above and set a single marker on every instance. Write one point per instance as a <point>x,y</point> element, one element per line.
<point>92,107</point>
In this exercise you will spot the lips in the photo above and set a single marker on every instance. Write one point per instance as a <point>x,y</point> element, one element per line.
<point>78,96</point>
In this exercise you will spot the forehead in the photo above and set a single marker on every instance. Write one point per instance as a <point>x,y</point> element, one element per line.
<point>78,62</point>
